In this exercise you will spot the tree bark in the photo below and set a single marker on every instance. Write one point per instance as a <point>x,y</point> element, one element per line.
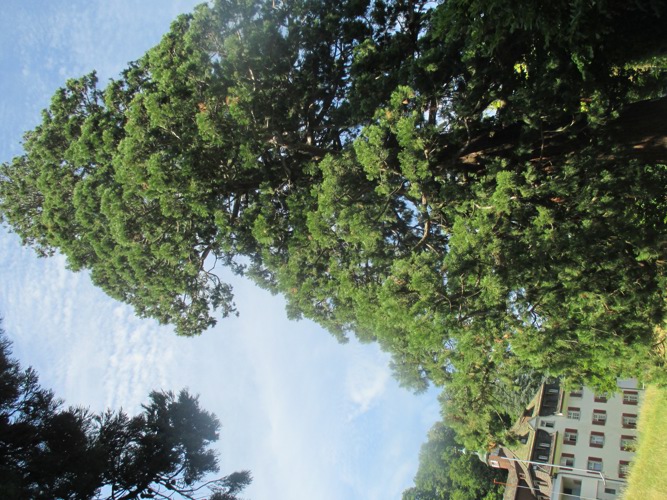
<point>639,132</point>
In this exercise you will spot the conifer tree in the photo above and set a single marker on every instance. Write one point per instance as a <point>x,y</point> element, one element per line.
<point>476,185</point>
<point>48,451</point>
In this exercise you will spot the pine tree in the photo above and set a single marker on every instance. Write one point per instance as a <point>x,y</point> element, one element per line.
<point>51,452</point>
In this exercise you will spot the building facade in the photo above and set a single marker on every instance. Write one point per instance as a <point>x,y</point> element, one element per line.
<point>575,444</point>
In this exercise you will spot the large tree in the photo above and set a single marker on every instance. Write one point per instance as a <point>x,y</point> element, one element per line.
<point>477,185</point>
<point>447,472</point>
<point>48,451</point>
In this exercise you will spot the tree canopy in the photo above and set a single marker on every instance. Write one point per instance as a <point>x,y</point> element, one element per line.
<point>479,186</point>
<point>447,472</point>
<point>48,451</point>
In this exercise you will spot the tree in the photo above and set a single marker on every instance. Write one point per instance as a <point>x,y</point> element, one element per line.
<point>48,451</point>
<point>478,187</point>
<point>186,155</point>
<point>446,471</point>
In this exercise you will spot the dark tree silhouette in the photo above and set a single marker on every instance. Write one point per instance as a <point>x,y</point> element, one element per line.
<point>48,451</point>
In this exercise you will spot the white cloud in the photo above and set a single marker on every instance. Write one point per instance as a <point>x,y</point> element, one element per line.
<point>366,383</point>
<point>283,391</point>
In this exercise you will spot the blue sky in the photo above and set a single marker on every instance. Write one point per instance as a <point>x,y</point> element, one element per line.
<point>310,418</point>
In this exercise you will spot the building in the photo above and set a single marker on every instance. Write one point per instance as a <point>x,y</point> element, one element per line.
<point>572,444</point>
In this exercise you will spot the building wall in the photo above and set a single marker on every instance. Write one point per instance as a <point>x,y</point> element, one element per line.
<point>570,486</point>
<point>610,430</point>
<point>604,441</point>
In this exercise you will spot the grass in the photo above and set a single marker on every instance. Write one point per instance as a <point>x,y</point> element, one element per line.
<point>648,473</point>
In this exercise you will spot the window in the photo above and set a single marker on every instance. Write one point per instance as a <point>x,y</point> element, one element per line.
<point>610,491</point>
<point>601,398</point>
<point>577,392</point>
<point>573,413</point>
<point>570,436</point>
<point>627,443</point>
<point>595,464</point>
<point>623,468</point>
<point>547,424</point>
<point>630,397</point>
<point>629,420</point>
<point>597,439</point>
<point>567,460</point>
<point>599,417</point>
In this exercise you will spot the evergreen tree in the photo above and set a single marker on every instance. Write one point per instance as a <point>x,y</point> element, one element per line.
<point>51,452</point>
<point>447,472</point>
<point>479,186</point>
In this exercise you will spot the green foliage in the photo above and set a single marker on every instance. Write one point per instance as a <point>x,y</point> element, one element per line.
<point>472,184</point>
<point>446,471</point>
<point>49,452</point>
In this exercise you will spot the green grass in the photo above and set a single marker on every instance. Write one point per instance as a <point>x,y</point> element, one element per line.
<point>648,473</point>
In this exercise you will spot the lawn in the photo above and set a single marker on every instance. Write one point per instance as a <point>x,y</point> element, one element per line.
<point>648,474</point>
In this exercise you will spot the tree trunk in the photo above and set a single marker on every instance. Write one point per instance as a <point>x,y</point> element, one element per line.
<point>640,132</point>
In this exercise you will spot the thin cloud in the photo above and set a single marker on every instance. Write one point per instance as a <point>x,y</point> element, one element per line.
<point>366,384</point>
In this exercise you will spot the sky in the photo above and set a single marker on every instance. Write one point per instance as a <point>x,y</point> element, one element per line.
<point>311,418</point>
